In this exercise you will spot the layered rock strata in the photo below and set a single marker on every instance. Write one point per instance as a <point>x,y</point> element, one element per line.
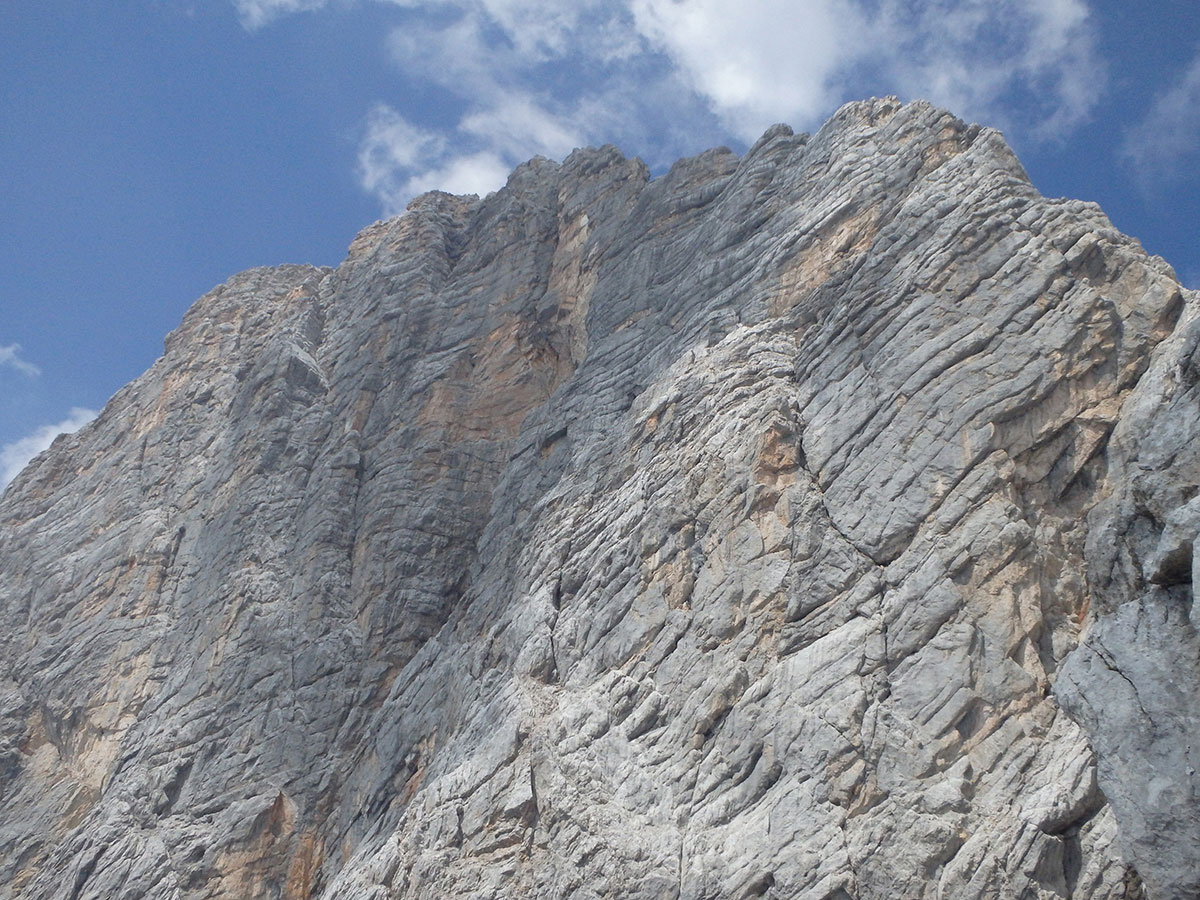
<point>818,523</point>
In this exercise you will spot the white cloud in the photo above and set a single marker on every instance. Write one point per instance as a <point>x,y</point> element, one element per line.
<point>1031,62</point>
<point>517,126</point>
<point>14,456</point>
<point>504,120</point>
<point>474,173</point>
<point>393,146</point>
<point>669,77</point>
<point>10,355</point>
<point>497,79</point>
<point>1161,144</point>
<point>763,62</point>
<point>1027,64</point>
<point>540,29</point>
<point>256,13</point>
<point>454,56</point>
<point>398,160</point>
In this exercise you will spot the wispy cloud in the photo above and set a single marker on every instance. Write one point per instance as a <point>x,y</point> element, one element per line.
<point>257,13</point>
<point>16,455</point>
<point>488,58</point>
<point>10,356</point>
<point>529,77</point>
<point>766,61</point>
<point>1163,144</point>
<point>398,160</point>
<point>1028,65</point>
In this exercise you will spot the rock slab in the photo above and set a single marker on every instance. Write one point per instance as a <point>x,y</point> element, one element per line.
<point>817,523</point>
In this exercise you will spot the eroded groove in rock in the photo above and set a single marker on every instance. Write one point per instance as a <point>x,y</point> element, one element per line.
<point>816,523</point>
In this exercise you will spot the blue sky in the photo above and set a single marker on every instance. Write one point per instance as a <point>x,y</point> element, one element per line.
<point>152,148</point>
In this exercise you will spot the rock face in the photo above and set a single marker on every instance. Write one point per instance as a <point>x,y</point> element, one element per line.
<point>819,523</point>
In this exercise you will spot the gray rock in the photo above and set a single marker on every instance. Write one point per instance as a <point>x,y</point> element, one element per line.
<point>748,531</point>
<point>1133,681</point>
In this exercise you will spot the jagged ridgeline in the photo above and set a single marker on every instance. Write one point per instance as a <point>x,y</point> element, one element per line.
<point>816,524</point>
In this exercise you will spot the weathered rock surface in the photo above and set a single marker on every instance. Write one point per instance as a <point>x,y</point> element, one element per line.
<point>818,523</point>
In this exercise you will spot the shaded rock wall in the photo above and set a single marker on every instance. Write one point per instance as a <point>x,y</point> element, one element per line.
<point>817,523</point>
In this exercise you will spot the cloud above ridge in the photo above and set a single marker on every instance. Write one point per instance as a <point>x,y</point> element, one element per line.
<point>667,77</point>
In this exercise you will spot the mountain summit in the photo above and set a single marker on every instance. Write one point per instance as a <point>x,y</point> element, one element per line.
<point>817,523</point>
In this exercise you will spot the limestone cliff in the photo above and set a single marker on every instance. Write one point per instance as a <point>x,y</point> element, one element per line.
<point>819,523</point>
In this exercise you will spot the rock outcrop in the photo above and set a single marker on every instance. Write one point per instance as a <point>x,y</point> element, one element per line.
<point>818,523</point>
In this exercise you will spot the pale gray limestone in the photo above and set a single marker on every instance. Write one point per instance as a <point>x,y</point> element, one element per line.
<point>819,523</point>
